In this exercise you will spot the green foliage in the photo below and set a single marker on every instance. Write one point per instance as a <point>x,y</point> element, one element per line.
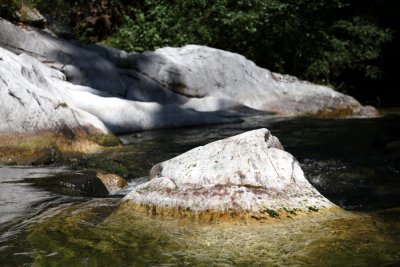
<point>162,23</point>
<point>87,21</point>
<point>106,140</point>
<point>159,23</point>
<point>325,41</point>
<point>8,7</point>
<point>346,45</point>
<point>317,40</point>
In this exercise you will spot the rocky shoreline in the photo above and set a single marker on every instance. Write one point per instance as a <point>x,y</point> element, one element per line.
<point>56,86</point>
<point>60,98</point>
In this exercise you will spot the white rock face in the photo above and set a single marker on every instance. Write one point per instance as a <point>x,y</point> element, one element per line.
<point>195,78</point>
<point>249,172</point>
<point>47,83</point>
<point>29,102</point>
<point>81,66</point>
<point>36,97</point>
<point>208,74</point>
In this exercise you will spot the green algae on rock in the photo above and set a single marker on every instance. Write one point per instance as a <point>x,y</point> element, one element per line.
<point>48,146</point>
<point>103,234</point>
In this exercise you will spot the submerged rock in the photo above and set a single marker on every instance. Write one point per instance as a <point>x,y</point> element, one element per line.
<point>84,183</point>
<point>248,175</point>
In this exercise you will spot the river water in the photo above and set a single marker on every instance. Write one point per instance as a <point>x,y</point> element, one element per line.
<point>41,224</point>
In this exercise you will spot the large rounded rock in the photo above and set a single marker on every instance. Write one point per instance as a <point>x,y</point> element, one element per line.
<point>245,174</point>
<point>40,111</point>
<point>206,73</point>
<point>81,66</point>
<point>192,77</point>
<point>32,100</point>
<point>36,97</point>
<point>35,118</point>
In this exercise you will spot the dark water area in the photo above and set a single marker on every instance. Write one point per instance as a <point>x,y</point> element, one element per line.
<point>41,224</point>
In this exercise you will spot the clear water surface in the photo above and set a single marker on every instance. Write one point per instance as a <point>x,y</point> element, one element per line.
<point>344,158</point>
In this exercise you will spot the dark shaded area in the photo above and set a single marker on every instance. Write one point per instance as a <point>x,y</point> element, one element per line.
<point>84,184</point>
<point>342,159</point>
<point>383,91</point>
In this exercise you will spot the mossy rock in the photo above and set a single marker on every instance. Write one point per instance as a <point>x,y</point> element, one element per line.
<point>106,140</point>
<point>47,147</point>
<point>110,166</point>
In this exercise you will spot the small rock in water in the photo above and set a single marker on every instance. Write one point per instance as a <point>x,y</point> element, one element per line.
<point>112,181</point>
<point>247,176</point>
<point>77,184</point>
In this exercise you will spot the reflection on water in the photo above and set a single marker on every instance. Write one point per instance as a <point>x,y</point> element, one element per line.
<point>16,199</point>
<point>339,157</point>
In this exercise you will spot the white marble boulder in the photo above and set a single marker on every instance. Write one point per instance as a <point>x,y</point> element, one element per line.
<point>192,77</point>
<point>246,173</point>
<point>208,75</point>
<point>35,97</point>
<point>31,99</point>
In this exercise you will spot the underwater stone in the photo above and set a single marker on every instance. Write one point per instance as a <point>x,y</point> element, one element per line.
<point>249,173</point>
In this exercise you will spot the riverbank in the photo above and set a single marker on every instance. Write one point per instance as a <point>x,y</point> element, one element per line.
<point>61,87</point>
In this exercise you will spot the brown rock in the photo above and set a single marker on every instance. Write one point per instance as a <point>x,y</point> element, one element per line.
<point>31,16</point>
<point>112,181</point>
<point>366,111</point>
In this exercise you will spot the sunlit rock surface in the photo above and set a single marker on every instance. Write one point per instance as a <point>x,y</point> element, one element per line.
<point>207,74</point>
<point>36,97</point>
<point>111,181</point>
<point>191,77</point>
<point>32,100</point>
<point>35,119</point>
<point>246,173</point>
<point>29,15</point>
<point>53,85</point>
<point>41,113</point>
